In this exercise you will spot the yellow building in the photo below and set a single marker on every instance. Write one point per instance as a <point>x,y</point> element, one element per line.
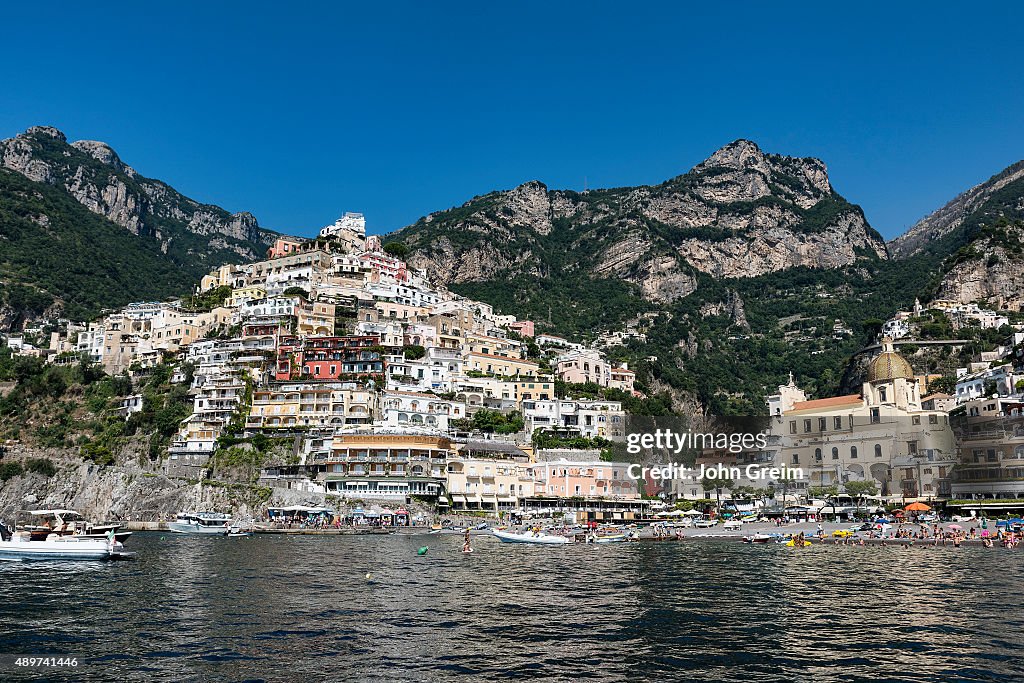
<point>243,294</point>
<point>492,364</point>
<point>488,484</point>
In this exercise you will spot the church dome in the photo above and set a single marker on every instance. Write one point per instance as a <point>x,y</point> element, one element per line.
<point>889,365</point>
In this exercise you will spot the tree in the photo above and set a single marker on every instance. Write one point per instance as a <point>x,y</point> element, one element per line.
<point>946,384</point>
<point>718,485</point>
<point>859,490</point>
<point>872,326</point>
<point>413,351</point>
<point>396,249</point>
<point>296,291</point>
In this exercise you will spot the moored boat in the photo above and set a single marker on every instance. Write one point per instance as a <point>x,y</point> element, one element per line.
<point>200,523</point>
<point>41,523</point>
<point>760,538</point>
<point>19,545</point>
<point>537,537</point>
<point>613,538</point>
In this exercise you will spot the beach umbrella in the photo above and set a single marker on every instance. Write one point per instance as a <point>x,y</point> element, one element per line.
<point>955,527</point>
<point>692,513</point>
<point>917,507</point>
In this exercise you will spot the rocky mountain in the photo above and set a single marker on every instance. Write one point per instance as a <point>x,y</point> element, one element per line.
<point>80,230</point>
<point>725,278</point>
<point>740,213</point>
<point>980,236</point>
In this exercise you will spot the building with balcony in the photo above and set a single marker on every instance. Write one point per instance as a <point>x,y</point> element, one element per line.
<point>304,405</point>
<point>384,466</point>
<point>490,484</point>
<point>990,433</point>
<point>329,358</point>
<point>421,410</point>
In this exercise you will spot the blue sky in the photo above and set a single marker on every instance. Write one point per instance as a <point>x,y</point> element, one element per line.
<point>399,109</point>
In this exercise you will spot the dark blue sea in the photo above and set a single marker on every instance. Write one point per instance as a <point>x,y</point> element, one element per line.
<point>301,608</point>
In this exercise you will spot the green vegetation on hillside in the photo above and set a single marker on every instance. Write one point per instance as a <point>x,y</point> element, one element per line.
<point>52,247</point>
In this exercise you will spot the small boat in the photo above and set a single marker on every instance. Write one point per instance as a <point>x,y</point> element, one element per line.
<point>612,538</point>
<point>704,523</point>
<point>200,523</point>
<point>760,538</point>
<point>791,543</point>
<point>537,537</point>
<point>42,523</point>
<point>237,532</point>
<point>19,545</point>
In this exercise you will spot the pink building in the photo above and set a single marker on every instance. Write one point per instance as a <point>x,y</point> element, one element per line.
<point>600,479</point>
<point>284,246</point>
<point>523,327</point>
<point>584,366</point>
<point>380,263</point>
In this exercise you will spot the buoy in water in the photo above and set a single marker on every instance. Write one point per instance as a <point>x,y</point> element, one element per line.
<point>422,550</point>
<point>369,576</point>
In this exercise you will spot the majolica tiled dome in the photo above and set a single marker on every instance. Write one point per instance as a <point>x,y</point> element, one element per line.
<point>889,365</point>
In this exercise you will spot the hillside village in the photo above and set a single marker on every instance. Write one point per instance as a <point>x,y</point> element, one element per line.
<point>388,387</point>
<point>384,386</point>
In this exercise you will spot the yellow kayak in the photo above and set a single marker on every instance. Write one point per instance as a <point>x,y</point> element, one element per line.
<point>792,543</point>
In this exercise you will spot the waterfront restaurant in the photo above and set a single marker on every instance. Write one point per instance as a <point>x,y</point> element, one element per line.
<point>386,466</point>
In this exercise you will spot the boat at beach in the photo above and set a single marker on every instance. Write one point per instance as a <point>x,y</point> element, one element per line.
<point>41,523</point>
<point>613,538</point>
<point>536,537</point>
<point>200,523</point>
<point>19,545</point>
<point>761,538</point>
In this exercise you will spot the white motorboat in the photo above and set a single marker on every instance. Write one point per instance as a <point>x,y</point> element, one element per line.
<point>537,537</point>
<point>761,538</point>
<point>614,538</point>
<point>42,523</point>
<point>19,545</point>
<point>704,522</point>
<point>200,523</point>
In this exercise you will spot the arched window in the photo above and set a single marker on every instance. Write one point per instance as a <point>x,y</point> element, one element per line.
<point>853,452</point>
<point>817,454</point>
<point>835,453</point>
<point>878,450</point>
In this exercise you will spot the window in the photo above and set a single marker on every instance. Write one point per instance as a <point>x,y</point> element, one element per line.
<point>792,423</point>
<point>817,455</point>
<point>835,453</point>
<point>837,423</point>
<point>933,419</point>
<point>878,450</point>
<point>853,452</point>
<point>912,447</point>
<point>807,426</point>
<point>796,459</point>
<point>821,424</point>
<point>916,419</point>
<point>881,394</point>
<point>875,416</point>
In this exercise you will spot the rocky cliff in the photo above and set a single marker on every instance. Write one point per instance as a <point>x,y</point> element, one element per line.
<point>116,235</point>
<point>740,213</point>
<point>95,176</point>
<point>980,236</point>
<point>958,212</point>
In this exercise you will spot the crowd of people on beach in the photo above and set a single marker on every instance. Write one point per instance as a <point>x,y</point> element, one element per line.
<point>934,535</point>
